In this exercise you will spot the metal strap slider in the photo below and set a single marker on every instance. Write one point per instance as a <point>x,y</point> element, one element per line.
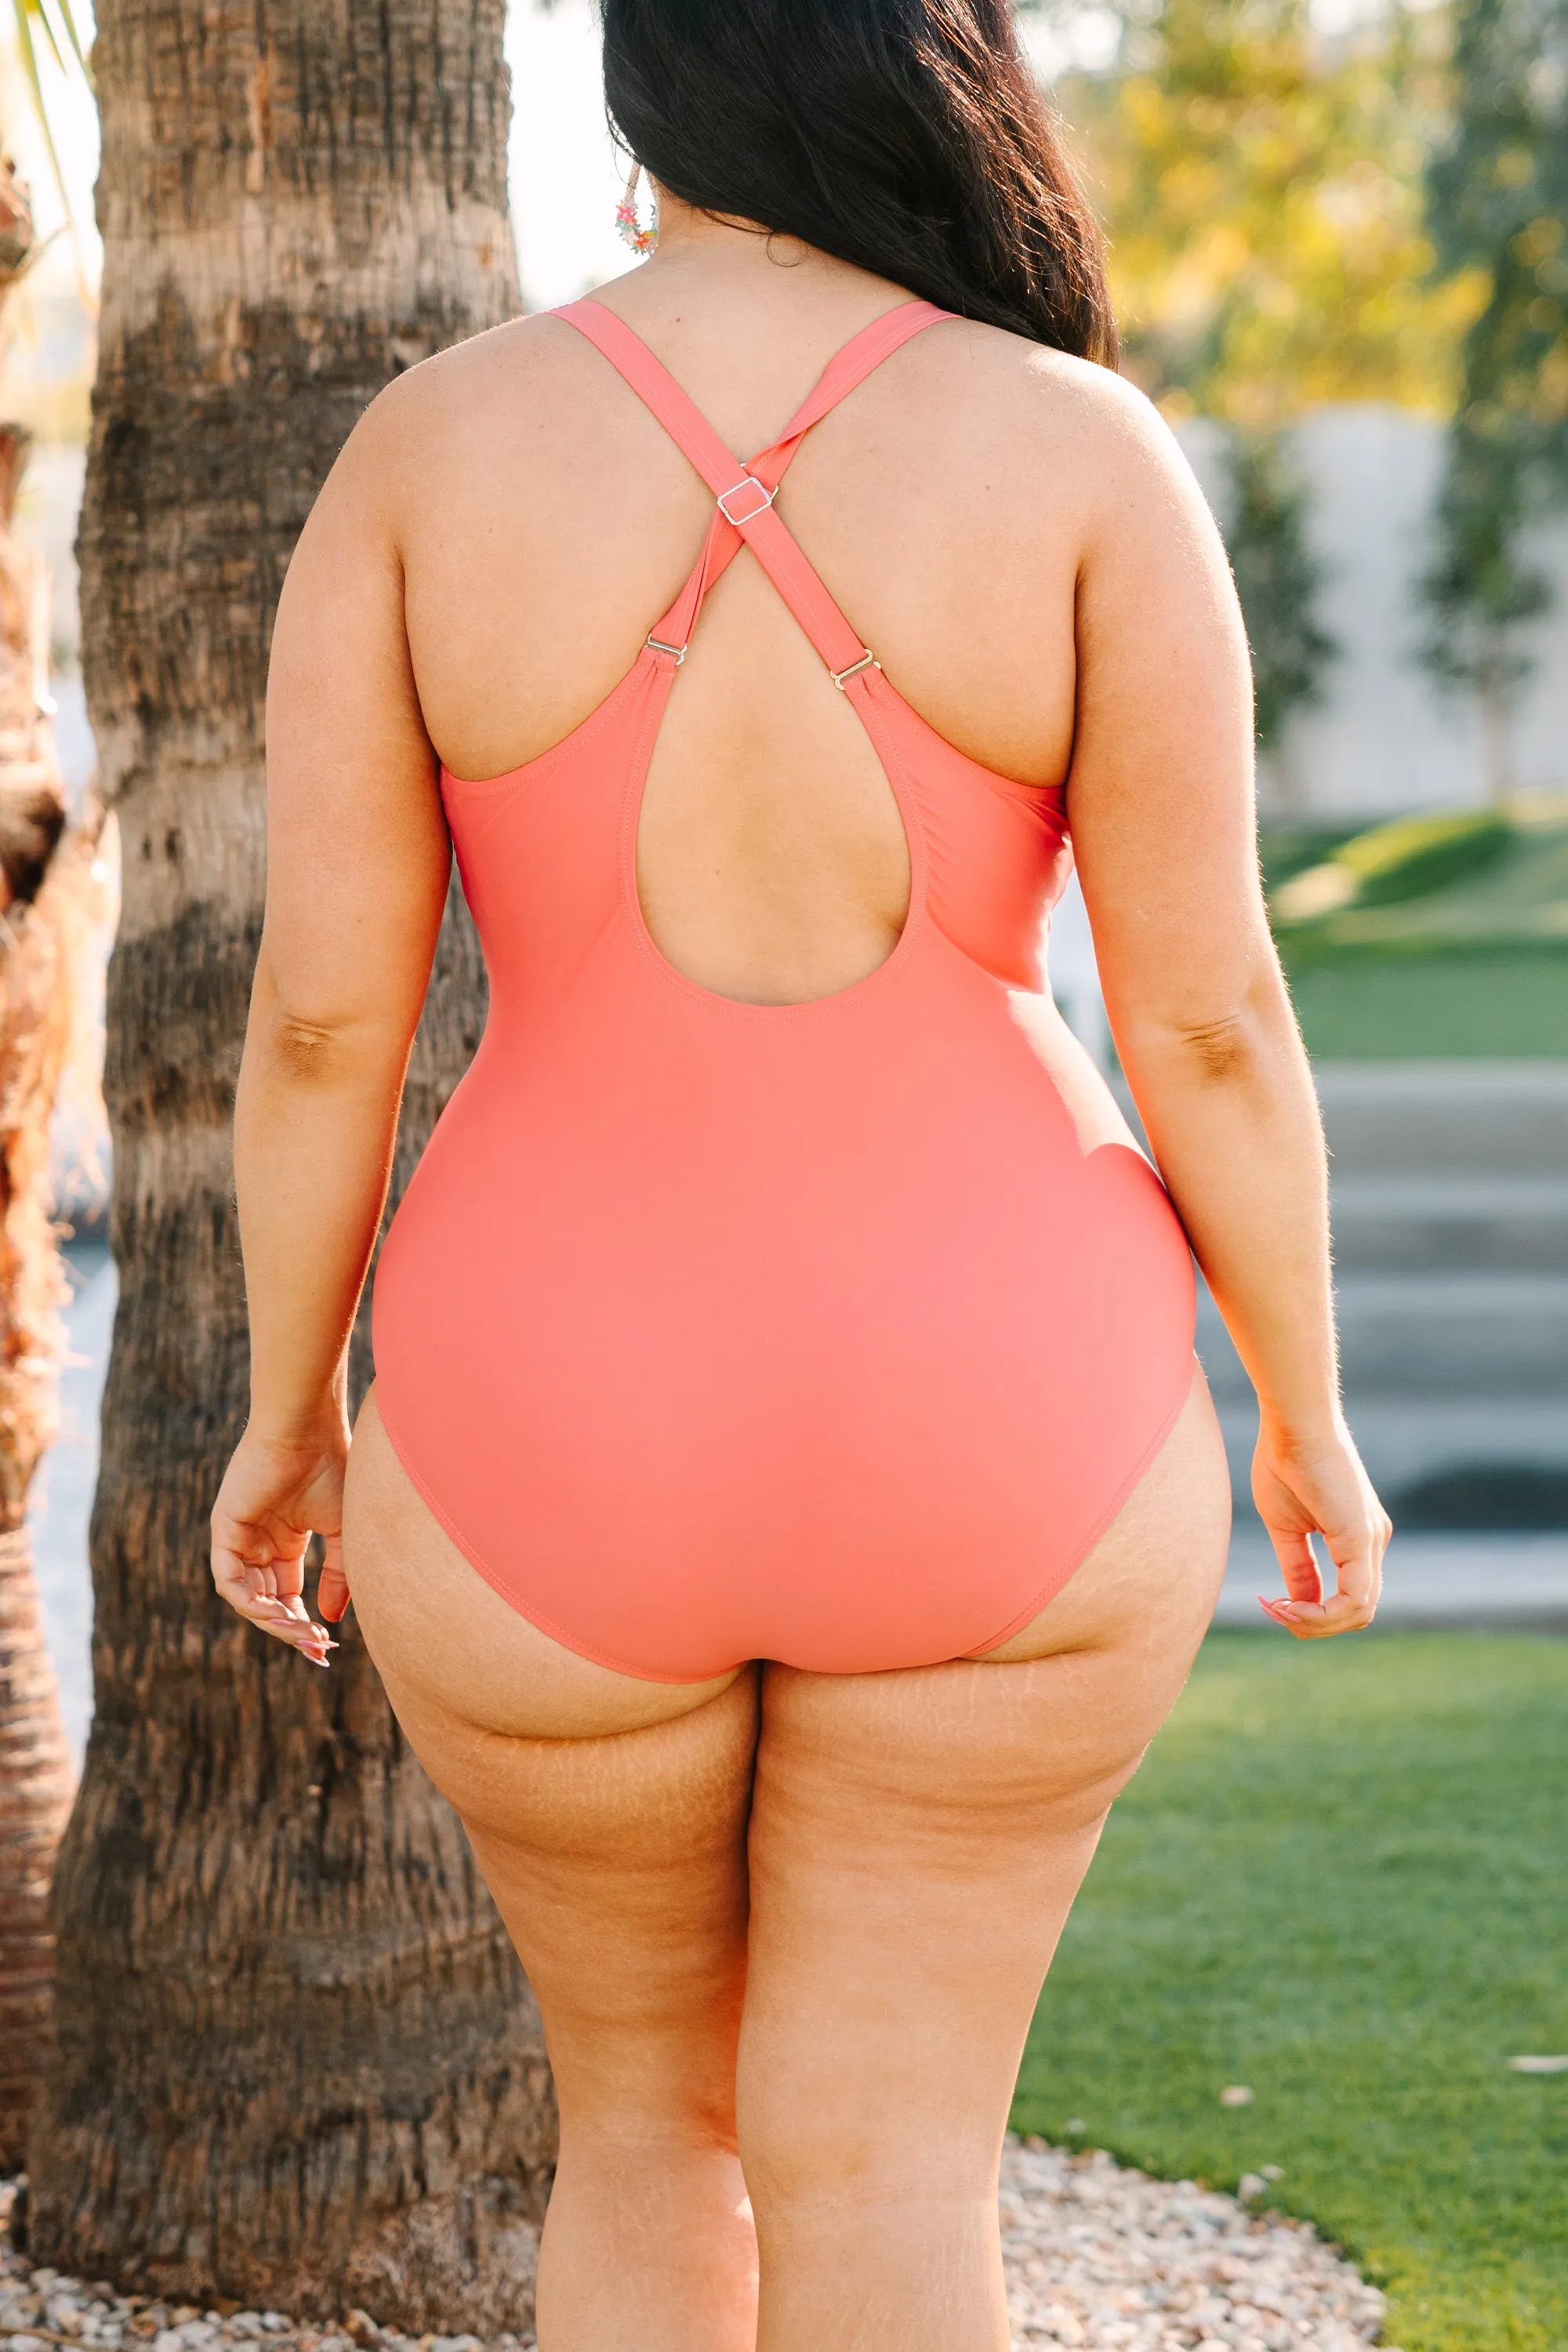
<point>841,677</point>
<point>677,653</point>
<point>747,482</point>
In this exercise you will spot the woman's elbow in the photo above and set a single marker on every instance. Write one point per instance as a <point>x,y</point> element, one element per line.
<point>314,1047</point>
<point>1246,1040</point>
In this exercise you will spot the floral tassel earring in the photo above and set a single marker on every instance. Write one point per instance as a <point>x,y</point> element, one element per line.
<point>641,240</point>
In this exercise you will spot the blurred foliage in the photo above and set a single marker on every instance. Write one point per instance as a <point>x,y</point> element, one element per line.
<point>1263,188</point>
<point>1455,883</point>
<point>1407,857</point>
<point>1278,578</point>
<point>1263,191</point>
<point>1498,204</point>
<point>1383,214</point>
<point>1288,849</point>
<point>1437,935</point>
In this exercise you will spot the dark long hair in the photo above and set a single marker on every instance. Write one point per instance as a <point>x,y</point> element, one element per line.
<point>906,136</point>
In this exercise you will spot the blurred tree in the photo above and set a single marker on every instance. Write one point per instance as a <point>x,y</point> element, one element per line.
<point>1499,205</point>
<point>1277,577</point>
<point>1262,192</point>
<point>296,2063</point>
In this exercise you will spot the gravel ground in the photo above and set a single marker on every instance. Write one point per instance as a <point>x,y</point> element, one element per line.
<point>1106,2259</point>
<point>1097,2258</point>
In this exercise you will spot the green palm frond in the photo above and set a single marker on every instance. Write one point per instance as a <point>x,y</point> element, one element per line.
<point>52,22</point>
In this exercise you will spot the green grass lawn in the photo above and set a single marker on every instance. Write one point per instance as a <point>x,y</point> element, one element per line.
<point>1340,1879</point>
<point>1366,1008</point>
<point>1476,964</point>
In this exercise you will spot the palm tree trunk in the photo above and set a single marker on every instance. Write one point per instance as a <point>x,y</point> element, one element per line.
<point>36,1774</point>
<point>36,1781</point>
<point>41,948</point>
<point>297,2063</point>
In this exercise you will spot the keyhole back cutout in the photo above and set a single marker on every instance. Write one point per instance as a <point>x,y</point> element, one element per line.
<point>772,865</point>
<point>772,862</point>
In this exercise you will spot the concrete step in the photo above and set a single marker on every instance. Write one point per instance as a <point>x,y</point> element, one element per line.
<point>1517,1583</point>
<point>1421,1335</point>
<point>1442,1224</point>
<point>1505,1118</point>
<point>1450,1201</point>
<point>1436,1456</point>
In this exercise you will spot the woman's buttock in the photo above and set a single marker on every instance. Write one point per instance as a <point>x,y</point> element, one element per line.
<point>448,1646</point>
<point>443,1639</point>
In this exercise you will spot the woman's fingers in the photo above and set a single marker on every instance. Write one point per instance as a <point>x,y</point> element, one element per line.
<point>1297,1563</point>
<point>1351,1607</point>
<point>271,1499</point>
<point>251,1586</point>
<point>1322,1491</point>
<point>1310,1620</point>
<point>332,1591</point>
<point>290,1622</point>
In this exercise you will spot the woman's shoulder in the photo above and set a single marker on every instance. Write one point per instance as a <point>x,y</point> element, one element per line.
<point>1064,442</point>
<point>1051,402</point>
<point>520,359</point>
<point>483,405</point>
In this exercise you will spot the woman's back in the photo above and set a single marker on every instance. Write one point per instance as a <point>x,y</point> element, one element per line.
<point>545,519</point>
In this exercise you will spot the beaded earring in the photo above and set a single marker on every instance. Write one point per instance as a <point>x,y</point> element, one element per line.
<point>641,240</point>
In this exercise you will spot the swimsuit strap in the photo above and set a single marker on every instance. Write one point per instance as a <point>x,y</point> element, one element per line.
<point>745,494</point>
<point>860,357</point>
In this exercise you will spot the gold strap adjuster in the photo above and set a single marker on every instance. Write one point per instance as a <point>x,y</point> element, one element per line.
<point>841,677</point>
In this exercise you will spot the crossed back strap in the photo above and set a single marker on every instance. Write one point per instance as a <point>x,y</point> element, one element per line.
<point>745,514</point>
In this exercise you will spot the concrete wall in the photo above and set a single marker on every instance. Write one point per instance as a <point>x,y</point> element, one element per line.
<point>1385,737</point>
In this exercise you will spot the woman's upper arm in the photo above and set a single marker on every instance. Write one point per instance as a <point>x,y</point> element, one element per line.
<point>1160,796</point>
<point>358,855</point>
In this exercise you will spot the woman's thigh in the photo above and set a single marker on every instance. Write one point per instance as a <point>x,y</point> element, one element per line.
<point>917,1838</point>
<point>606,1814</point>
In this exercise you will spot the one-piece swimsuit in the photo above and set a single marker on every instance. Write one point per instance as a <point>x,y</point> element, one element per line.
<point>713,1330</point>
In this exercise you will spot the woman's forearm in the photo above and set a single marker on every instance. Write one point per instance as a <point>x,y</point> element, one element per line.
<point>315,1121</point>
<point>1233,1119</point>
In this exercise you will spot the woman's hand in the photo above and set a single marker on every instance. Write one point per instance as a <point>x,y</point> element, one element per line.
<point>275,1494</point>
<point>1322,1488</point>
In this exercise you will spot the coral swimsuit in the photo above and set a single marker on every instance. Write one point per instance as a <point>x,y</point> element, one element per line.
<point>713,1331</point>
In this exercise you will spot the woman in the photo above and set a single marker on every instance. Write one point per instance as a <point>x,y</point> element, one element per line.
<point>781,1322</point>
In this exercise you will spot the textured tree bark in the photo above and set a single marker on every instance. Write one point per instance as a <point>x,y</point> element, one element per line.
<point>296,2063</point>
<point>36,940</point>
<point>36,1781</point>
<point>42,945</point>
